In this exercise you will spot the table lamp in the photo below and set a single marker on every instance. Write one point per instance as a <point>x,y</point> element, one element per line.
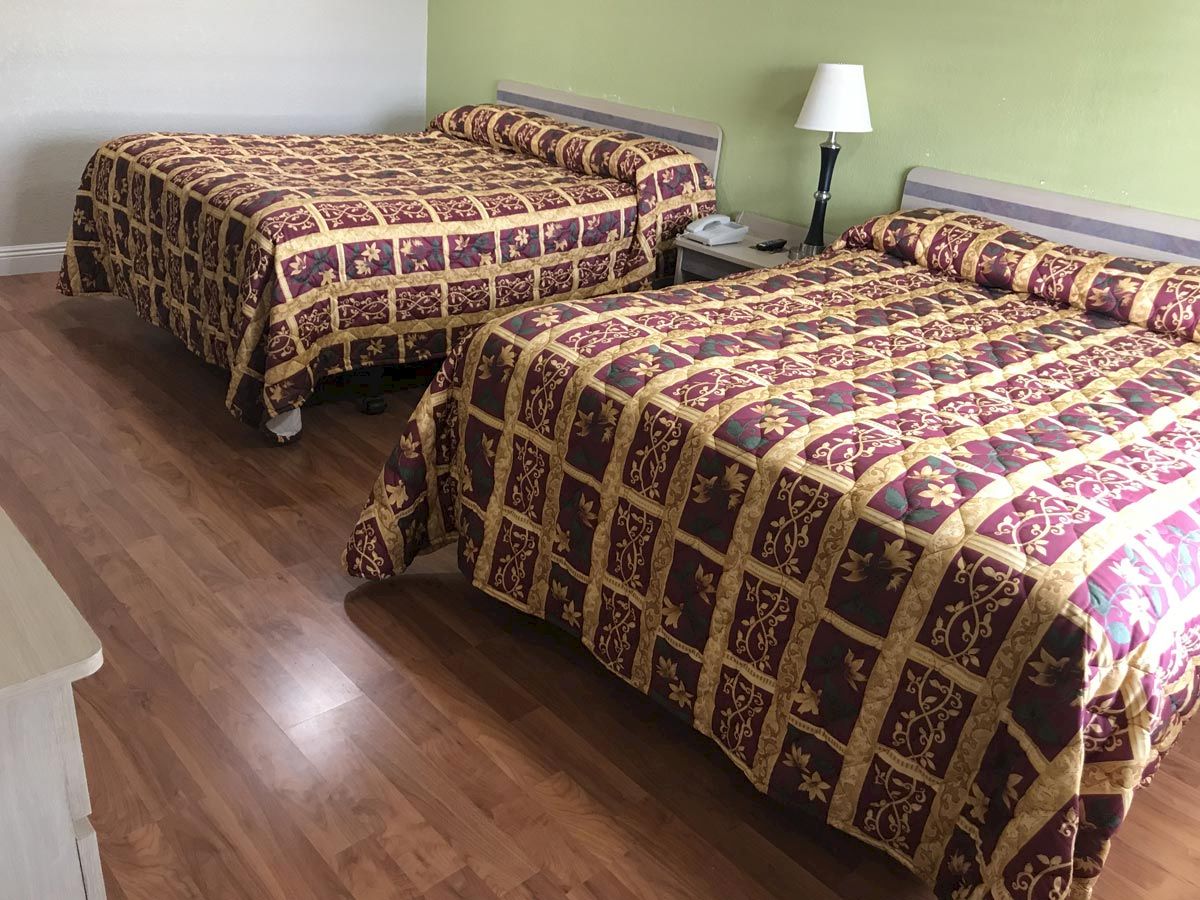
<point>836,101</point>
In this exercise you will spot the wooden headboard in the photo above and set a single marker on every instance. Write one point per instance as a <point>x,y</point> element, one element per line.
<point>1090,224</point>
<point>701,139</point>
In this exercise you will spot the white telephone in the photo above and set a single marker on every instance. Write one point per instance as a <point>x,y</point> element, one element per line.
<point>716,230</point>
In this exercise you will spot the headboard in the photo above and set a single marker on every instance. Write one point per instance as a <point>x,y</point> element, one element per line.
<point>701,139</point>
<point>1090,224</point>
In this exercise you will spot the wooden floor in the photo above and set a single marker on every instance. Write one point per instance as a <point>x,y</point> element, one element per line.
<point>263,727</point>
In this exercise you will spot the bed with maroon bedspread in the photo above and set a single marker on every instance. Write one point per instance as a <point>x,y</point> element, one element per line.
<point>287,259</point>
<point>911,530</point>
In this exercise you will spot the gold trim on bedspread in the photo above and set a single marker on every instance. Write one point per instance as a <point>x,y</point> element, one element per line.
<point>286,259</point>
<point>919,552</point>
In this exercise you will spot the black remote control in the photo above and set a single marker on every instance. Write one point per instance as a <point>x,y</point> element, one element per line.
<point>771,246</point>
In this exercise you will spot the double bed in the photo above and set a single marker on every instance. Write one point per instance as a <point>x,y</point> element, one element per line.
<point>910,530</point>
<point>288,259</point>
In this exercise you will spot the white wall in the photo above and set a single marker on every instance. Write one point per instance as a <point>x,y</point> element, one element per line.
<point>74,73</point>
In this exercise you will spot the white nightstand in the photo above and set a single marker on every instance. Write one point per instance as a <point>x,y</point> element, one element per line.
<point>698,262</point>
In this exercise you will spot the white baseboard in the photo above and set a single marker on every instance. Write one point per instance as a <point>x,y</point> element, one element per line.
<point>26,259</point>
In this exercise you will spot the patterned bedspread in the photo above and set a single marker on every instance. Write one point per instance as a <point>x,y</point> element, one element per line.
<point>288,259</point>
<point>912,530</point>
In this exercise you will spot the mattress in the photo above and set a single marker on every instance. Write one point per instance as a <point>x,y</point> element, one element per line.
<point>911,530</point>
<point>287,259</point>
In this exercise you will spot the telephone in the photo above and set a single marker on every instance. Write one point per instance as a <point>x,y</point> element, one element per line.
<point>716,230</point>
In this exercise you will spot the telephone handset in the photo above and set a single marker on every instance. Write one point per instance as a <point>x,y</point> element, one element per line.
<point>716,230</point>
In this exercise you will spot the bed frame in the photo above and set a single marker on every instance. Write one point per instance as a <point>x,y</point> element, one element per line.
<point>1089,224</point>
<point>700,138</point>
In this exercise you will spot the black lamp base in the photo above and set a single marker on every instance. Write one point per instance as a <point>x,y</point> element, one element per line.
<point>814,241</point>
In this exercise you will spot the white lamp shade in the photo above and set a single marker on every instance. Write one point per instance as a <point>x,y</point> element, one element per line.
<point>837,100</point>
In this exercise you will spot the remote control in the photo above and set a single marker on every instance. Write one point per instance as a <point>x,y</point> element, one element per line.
<point>771,246</point>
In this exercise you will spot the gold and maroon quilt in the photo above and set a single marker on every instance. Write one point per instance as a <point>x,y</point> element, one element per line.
<point>911,530</point>
<point>288,259</point>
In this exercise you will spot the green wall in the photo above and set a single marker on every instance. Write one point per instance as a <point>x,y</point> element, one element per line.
<point>1097,98</point>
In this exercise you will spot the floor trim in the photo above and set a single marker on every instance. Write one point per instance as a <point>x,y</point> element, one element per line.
<point>26,259</point>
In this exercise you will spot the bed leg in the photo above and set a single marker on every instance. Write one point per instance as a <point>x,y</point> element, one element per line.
<point>373,402</point>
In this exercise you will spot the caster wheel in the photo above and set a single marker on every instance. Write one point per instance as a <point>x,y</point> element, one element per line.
<point>372,406</point>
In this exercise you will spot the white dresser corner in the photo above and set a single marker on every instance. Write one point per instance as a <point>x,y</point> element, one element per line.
<point>48,848</point>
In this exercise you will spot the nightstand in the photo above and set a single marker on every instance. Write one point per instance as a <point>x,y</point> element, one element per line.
<point>698,262</point>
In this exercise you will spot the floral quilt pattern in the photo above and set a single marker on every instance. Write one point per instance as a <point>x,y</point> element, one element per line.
<point>286,259</point>
<point>918,551</point>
